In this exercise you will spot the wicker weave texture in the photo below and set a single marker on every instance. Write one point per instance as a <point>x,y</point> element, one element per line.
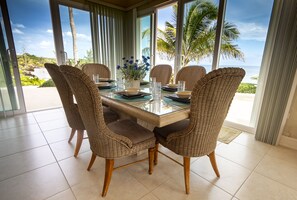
<point>162,73</point>
<point>210,101</point>
<point>66,96</point>
<point>190,74</point>
<point>103,141</point>
<point>94,68</point>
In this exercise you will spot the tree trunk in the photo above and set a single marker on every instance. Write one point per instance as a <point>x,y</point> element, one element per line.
<point>73,33</point>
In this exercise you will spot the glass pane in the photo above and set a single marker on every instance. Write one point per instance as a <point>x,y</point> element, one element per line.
<point>166,35</point>
<point>76,35</point>
<point>199,30</point>
<point>246,23</point>
<point>33,38</point>
<point>144,39</point>
<point>8,97</point>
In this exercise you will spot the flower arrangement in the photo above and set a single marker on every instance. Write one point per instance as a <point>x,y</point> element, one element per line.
<point>134,70</point>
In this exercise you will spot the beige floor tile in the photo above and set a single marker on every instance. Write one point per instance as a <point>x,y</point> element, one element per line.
<point>260,187</point>
<point>248,140</point>
<point>174,189</point>
<point>15,145</point>
<point>149,197</point>
<point>165,169</point>
<point>19,163</point>
<point>278,170</point>
<point>19,131</point>
<point>59,134</point>
<point>53,124</point>
<point>37,184</point>
<point>49,116</point>
<point>283,153</point>
<point>17,120</point>
<point>123,186</point>
<point>65,195</point>
<point>75,169</point>
<point>232,174</point>
<point>240,154</point>
<point>63,149</point>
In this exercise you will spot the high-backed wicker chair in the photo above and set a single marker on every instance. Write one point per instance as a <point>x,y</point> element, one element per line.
<point>190,74</point>
<point>95,68</point>
<point>197,136</point>
<point>70,108</point>
<point>162,73</point>
<point>115,140</point>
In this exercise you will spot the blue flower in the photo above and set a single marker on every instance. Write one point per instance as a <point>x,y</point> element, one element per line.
<point>136,67</point>
<point>148,57</point>
<point>131,61</point>
<point>147,64</point>
<point>118,66</point>
<point>147,68</point>
<point>125,66</point>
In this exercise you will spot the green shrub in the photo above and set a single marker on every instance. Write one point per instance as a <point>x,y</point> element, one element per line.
<point>48,83</point>
<point>247,88</point>
<point>28,80</point>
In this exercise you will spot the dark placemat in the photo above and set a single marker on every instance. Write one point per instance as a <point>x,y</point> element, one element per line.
<point>168,89</point>
<point>106,80</point>
<point>106,87</point>
<point>144,83</point>
<point>134,96</point>
<point>176,98</point>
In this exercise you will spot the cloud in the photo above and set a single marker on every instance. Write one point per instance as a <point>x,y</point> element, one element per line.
<point>79,36</point>
<point>251,31</point>
<point>45,44</point>
<point>17,25</point>
<point>17,31</point>
<point>49,31</point>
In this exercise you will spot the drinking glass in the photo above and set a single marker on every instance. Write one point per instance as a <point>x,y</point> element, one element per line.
<point>181,86</point>
<point>156,91</point>
<point>96,78</point>
<point>152,84</point>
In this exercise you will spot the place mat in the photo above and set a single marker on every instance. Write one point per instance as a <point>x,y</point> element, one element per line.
<point>103,87</point>
<point>135,96</point>
<point>169,89</point>
<point>176,98</point>
<point>144,83</point>
<point>227,134</point>
<point>106,80</point>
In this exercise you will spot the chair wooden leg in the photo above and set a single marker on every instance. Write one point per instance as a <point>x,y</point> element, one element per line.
<point>187,173</point>
<point>108,173</point>
<point>71,135</point>
<point>156,154</point>
<point>93,158</point>
<point>151,152</point>
<point>80,137</point>
<point>213,162</point>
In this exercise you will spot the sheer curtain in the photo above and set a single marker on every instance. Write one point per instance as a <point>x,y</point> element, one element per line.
<point>107,35</point>
<point>282,64</point>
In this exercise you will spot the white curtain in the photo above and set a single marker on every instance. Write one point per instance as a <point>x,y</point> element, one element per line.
<point>282,65</point>
<point>107,35</point>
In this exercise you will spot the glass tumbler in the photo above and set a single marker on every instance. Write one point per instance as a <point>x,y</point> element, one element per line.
<point>181,86</point>
<point>96,78</point>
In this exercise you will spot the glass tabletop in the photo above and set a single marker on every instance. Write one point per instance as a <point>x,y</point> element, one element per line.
<point>146,103</point>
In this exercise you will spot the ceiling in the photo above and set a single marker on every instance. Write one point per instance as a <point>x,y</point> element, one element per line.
<point>123,3</point>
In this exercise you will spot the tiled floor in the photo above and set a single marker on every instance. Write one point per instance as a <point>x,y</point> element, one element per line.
<point>36,162</point>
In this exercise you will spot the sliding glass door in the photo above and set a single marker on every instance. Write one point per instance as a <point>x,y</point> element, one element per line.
<point>11,97</point>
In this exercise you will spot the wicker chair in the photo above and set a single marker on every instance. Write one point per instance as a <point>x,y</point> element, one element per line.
<point>70,108</point>
<point>115,140</point>
<point>197,136</point>
<point>162,73</point>
<point>95,68</point>
<point>190,74</point>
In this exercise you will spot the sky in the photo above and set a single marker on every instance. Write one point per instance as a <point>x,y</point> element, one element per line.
<point>32,28</point>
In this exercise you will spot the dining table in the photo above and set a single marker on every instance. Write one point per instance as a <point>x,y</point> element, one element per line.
<point>148,111</point>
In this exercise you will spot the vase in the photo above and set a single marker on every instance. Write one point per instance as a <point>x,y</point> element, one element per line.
<point>131,83</point>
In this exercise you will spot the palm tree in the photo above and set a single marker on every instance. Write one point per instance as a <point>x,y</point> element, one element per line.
<point>198,37</point>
